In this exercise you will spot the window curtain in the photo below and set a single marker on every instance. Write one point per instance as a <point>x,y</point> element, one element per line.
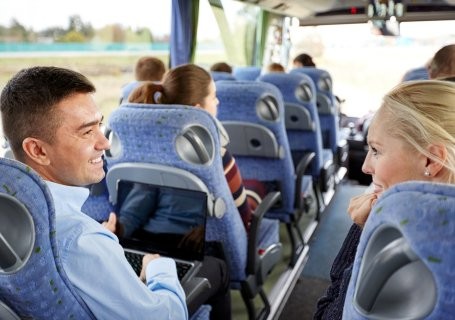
<point>183,31</point>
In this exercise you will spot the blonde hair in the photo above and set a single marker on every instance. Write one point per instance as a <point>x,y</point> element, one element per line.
<point>422,113</point>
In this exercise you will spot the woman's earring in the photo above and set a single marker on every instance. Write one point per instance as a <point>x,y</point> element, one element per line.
<point>427,173</point>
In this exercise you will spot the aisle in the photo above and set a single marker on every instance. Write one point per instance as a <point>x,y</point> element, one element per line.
<point>324,246</point>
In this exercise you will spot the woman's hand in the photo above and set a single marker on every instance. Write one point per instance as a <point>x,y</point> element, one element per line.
<point>360,207</point>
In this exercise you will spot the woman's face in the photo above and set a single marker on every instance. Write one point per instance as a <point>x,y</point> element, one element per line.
<point>390,160</point>
<point>210,102</point>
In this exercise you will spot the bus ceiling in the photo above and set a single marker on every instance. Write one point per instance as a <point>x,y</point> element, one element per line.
<point>327,12</point>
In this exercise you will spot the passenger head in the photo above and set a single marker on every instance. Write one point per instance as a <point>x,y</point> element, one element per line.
<point>412,135</point>
<point>52,124</point>
<point>187,84</point>
<point>149,69</point>
<point>221,67</point>
<point>303,60</point>
<point>275,67</point>
<point>443,63</point>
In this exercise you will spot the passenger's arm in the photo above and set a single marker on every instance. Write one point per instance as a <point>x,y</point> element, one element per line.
<point>330,306</point>
<point>112,290</point>
<point>235,182</point>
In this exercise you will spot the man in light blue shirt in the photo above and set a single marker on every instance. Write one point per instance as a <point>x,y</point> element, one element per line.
<point>53,125</point>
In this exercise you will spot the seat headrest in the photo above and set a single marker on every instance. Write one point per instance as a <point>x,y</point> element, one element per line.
<point>404,262</point>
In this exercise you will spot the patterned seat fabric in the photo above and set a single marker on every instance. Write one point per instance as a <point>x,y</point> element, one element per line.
<point>32,280</point>
<point>299,93</point>
<point>253,114</point>
<point>327,107</point>
<point>404,263</point>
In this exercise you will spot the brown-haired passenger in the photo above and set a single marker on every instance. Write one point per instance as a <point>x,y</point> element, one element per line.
<point>221,67</point>
<point>442,65</point>
<point>149,68</point>
<point>275,67</point>
<point>303,60</point>
<point>193,86</point>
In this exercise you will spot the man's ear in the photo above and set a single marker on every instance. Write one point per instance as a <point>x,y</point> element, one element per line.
<point>440,152</point>
<point>35,149</point>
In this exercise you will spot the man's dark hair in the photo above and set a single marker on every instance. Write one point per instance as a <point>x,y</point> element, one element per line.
<point>28,102</point>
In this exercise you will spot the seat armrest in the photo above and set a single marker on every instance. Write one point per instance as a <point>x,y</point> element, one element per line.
<point>267,203</point>
<point>194,287</point>
<point>300,170</point>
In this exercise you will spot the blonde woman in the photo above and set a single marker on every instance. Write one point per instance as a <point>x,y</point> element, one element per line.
<point>411,137</point>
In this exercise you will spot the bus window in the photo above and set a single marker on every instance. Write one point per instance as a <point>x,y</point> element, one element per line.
<point>364,66</point>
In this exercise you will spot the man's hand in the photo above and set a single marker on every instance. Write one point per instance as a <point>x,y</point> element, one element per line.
<point>360,207</point>
<point>145,261</point>
<point>111,223</point>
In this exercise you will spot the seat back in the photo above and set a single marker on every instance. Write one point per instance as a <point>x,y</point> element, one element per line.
<point>98,206</point>
<point>404,263</point>
<point>183,139</point>
<point>220,75</point>
<point>247,73</point>
<point>326,106</point>
<point>252,113</point>
<point>302,119</point>
<point>33,283</point>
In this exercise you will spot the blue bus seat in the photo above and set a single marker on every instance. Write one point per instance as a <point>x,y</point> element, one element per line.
<point>247,72</point>
<point>328,110</point>
<point>299,93</point>
<point>252,112</point>
<point>181,145</point>
<point>33,283</point>
<point>404,263</point>
<point>220,75</point>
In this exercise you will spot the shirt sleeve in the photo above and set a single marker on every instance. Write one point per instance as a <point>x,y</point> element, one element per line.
<point>110,287</point>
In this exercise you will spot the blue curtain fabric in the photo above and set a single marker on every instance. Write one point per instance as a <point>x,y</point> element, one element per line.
<point>183,31</point>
